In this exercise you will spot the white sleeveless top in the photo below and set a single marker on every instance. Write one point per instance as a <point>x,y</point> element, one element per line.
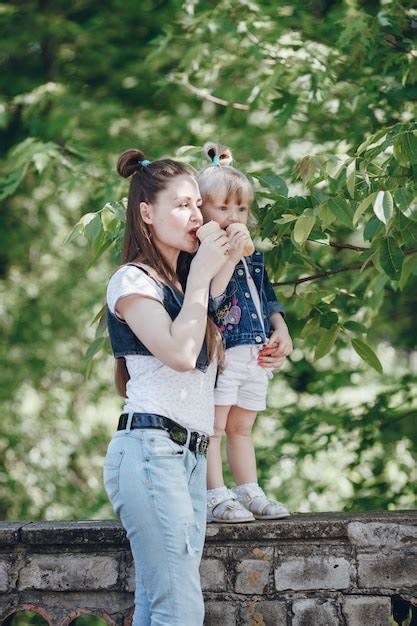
<point>185,397</point>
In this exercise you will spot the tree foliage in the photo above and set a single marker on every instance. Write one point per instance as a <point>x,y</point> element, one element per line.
<point>317,102</point>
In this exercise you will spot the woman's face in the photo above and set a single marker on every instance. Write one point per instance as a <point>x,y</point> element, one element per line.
<point>176,216</point>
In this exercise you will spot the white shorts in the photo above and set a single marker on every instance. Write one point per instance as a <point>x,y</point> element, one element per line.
<point>243,382</point>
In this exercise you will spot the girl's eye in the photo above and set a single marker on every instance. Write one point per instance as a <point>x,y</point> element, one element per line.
<point>242,209</point>
<point>223,208</point>
<point>184,205</point>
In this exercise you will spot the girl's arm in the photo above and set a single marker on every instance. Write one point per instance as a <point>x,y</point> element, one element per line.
<point>177,343</point>
<point>219,283</point>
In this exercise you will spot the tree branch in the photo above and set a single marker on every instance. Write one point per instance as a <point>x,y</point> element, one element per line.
<point>203,93</point>
<point>335,244</point>
<point>348,268</point>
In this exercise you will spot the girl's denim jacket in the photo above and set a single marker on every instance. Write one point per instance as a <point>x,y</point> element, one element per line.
<point>234,311</point>
<point>124,341</point>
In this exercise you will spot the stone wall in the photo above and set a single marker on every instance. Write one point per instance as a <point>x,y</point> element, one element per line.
<point>309,570</point>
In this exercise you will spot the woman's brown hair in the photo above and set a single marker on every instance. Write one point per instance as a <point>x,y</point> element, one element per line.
<point>147,179</point>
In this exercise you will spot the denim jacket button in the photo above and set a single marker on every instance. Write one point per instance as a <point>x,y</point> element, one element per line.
<point>254,316</point>
<point>257,270</point>
<point>247,294</point>
<point>240,272</point>
<point>258,339</point>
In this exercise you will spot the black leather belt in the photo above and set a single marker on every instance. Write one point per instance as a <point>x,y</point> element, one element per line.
<point>179,434</point>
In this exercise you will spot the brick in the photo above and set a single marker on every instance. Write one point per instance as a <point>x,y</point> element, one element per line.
<point>64,573</point>
<point>360,610</point>
<point>220,613</point>
<point>377,535</point>
<point>252,576</point>
<point>395,570</point>
<point>4,575</point>
<point>213,575</point>
<point>314,613</point>
<point>313,572</point>
<point>264,613</point>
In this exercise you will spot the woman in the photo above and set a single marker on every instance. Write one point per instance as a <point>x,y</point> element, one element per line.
<point>167,353</point>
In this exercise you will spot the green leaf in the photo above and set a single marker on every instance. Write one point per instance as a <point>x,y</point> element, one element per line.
<point>11,182</point>
<point>94,347</point>
<point>391,258</point>
<point>367,354</point>
<point>405,149</point>
<point>408,230</point>
<point>383,206</point>
<point>273,181</point>
<point>355,327</point>
<point>303,227</point>
<point>372,228</point>
<point>311,327</point>
<point>93,227</point>
<point>409,264</point>
<point>363,205</point>
<point>187,150</point>
<point>341,210</point>
<point>326,341</point>
<point>286,218</point>
<point>403,198</point>
<point>350,177</point>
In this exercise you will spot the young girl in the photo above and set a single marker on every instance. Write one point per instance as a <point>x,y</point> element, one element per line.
<point>247,312</point>
<point>167,352</point>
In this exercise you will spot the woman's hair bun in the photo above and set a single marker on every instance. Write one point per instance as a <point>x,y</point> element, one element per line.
<point>130,162</point>
<point>212,149</point>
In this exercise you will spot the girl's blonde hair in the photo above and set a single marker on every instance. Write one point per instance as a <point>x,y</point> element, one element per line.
<point>219,181</point>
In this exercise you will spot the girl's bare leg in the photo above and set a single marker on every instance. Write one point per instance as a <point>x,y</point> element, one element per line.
<point>214,455</point>
<point>240,448</point>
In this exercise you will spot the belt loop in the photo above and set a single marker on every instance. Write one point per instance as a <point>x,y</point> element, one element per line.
<point>129,421</point>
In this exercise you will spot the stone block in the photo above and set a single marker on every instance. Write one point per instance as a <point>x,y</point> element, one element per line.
<point>213,575</point>
<point>312,612</point>
<point>312,572</point>
<point>263,613</point>
<point>395,570</point>
<point>360,610</point>
<point>68,572</point>
<point>252,576</point>
<point>380,535</point>
<point>220,614</point>
<point>4,575</point>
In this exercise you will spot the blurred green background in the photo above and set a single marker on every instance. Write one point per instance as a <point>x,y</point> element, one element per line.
<point>317,101</point>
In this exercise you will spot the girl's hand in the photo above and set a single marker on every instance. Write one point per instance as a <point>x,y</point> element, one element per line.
<point>237,243</point>
<point>211,254</point>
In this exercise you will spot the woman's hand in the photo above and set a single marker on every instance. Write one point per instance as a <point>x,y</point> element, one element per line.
<point>211,255</point>
<point>279,344</point>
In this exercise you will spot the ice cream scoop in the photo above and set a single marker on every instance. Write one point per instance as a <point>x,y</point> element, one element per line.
<point>206,229</point>
<point>242,228</point>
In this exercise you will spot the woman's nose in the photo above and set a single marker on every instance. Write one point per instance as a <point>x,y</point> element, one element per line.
<point>196,214</point>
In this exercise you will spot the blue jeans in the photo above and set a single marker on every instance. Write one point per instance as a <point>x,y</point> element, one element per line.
<point>158,489</point>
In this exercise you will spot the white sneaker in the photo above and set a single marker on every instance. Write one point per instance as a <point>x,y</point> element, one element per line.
<point>254,499</point>
<point>224,508</point>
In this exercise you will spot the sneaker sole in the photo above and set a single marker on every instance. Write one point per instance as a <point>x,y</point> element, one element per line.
<point>230,521</point>
<point>281,516</point>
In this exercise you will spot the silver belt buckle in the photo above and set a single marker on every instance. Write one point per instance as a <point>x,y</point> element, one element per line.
<point>203,444</point>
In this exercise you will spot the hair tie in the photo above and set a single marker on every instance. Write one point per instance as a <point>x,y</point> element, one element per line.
<point>144,163</point>
<point>215,160</point>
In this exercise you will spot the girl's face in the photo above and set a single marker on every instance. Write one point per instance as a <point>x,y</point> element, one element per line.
<point>226,213</point>
<point>175,216</point>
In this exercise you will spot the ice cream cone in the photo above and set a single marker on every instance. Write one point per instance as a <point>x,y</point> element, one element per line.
<point>237,227</point>
<point>206,229</point>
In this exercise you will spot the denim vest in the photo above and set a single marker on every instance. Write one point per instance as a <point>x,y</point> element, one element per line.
<point>124,341</point>
<point>234,311</point>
